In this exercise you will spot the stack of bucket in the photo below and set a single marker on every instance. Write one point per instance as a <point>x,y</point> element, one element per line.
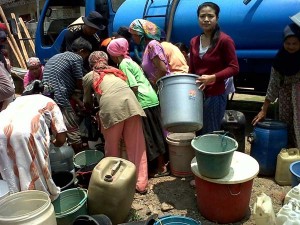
<point>181,153</point>
<point>223,182</point>
<point>180,121</point>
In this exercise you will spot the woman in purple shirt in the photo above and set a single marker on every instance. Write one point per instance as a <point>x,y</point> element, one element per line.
<point>154,62</point>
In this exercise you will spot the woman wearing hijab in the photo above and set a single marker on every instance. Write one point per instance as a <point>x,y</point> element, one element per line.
<point>154,62</point>
<point>35,70</point>
<point>120,114</point>
<point>284,84</point>
<point>152,126</point>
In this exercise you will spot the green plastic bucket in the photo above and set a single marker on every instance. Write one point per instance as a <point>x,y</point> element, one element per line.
<point>214,154</point>
<point>70,204</point>
<point>87,158</point>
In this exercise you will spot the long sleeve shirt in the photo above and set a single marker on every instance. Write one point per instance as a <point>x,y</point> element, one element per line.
<point>220,60</point>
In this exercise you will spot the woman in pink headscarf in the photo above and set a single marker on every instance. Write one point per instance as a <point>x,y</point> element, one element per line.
<point>152,126</point>
<point>35,70</point>
<point>120,114</point>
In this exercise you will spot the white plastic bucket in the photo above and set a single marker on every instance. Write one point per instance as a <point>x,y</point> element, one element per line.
<point>27,208</point>
<point>181,153</point>
<point>4,191</point>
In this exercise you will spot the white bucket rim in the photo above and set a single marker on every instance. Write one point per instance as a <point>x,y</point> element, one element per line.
<point>27,215</point>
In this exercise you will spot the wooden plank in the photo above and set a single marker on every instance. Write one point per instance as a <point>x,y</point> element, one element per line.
<point>14,43</point>
<point>13,16</point>
<point>14,51</point>
<point>27,34</point>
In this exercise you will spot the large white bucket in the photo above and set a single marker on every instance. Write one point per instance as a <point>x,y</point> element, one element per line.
<point>181,153</point>
<point>181,103</point>
<point>27,208</point>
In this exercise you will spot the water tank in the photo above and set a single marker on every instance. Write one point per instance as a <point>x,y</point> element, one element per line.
<point>256,27</point>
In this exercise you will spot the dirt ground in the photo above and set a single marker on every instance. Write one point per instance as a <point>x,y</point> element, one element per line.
<point>172,195</point>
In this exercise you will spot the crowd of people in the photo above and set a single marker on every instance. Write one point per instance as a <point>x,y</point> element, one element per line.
<point>93,75</point>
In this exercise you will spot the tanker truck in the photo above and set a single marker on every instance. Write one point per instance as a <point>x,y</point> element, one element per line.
<point>255,26</point>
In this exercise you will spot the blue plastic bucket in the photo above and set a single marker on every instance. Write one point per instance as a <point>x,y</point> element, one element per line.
<point>181,103</point>
<point>176,220</point>
<point>295,171</point>
<point>214,154</point>
<point>267,140</point>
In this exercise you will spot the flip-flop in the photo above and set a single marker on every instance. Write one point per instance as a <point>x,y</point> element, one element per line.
<point>160,174</point>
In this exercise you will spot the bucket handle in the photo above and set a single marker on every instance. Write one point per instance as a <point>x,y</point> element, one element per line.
<point>234,194</point>
<point>160,85</point>
<point>251,138</point>
<point>74,207</point>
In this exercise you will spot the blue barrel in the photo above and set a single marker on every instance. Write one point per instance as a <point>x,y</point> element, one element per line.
<point>267,139</point>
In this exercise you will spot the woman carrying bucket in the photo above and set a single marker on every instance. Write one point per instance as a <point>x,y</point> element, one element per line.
<point>120,114</point>
<point>152,126</point>
<point>284,84</point>
<point>213,58</point>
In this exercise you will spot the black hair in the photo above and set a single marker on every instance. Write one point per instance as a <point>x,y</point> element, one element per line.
<point>81,43</point>
<point>216,33</point>
<point>182,47</point>
<point>123,31</point>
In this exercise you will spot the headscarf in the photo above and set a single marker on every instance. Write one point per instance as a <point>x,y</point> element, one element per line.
<point>39,87</point>
<point>287,64</point>
<point>145,29</point>
<point>118,47</point>
<point>98,60</point>
<point>33,61</point>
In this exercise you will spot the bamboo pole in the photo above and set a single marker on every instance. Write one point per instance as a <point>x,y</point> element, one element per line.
<point>27,33</point>
<point>14,43</point>
<point>13,16</point>
<point>14,51</point>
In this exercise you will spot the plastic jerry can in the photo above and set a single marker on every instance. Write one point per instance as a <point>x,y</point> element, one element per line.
<point>112,188</point>
<point>284,159</point>
<point>235,122</point>
<point>294,193</point>
<point>283,214</point>
<point>263,212</point>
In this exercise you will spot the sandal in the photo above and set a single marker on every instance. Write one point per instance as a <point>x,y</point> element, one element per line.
<point>160,174</point>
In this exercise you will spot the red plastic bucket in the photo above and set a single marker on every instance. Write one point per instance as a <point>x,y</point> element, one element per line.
<point>226,200</point>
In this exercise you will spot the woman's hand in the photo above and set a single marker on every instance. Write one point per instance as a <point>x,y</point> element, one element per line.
<point>260,116</point>
<point>205,80</point>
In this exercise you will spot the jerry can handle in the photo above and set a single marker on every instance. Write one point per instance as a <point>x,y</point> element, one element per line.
<point>251,138</point>
<point>116,167</point>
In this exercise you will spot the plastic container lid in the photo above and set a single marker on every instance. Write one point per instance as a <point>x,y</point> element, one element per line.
<point>243,168</point>
<point>272,124</point>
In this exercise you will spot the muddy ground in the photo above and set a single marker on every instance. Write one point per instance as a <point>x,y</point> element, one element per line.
<point>171,195</point>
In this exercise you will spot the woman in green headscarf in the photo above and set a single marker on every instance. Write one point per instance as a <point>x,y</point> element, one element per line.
<point>155,66</point>
<point>154,62</point>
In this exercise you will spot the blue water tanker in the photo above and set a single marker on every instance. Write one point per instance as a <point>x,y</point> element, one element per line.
<point>256,27</point>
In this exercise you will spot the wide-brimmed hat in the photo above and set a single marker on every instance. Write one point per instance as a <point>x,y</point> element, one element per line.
<point>95,20</point>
